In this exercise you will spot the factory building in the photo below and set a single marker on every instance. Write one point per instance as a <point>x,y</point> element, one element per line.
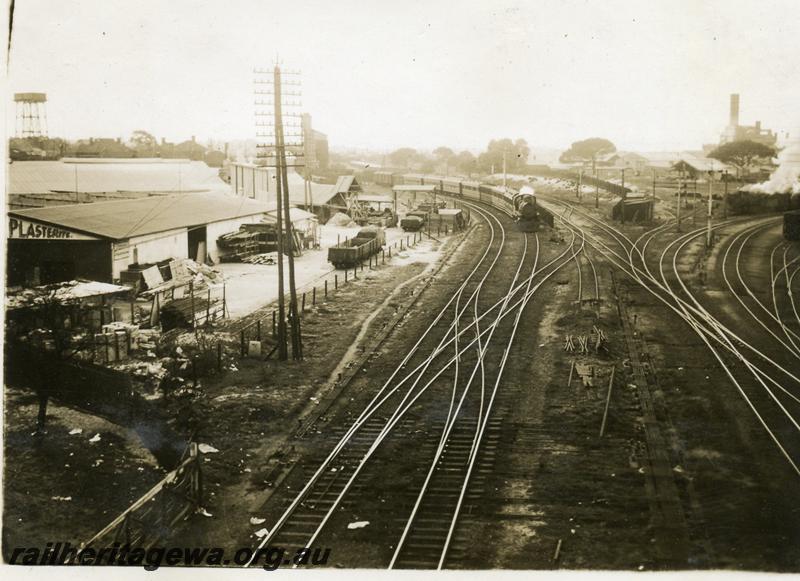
<point>736,132</point>
<point>98,241</point>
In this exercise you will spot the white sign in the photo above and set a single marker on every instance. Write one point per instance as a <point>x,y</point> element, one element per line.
<point>19,229</point>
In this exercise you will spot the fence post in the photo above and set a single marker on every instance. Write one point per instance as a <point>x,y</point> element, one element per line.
<point>241,338</point>
<point>191,294</point>
<point>273,323</point>
<point>336,280</point>
<point>304,303</point>
<point>345,276</point>
<point>326,288</point>
<point>313,296</point>
<point>258,329</point>
<point>219,355</point>
<point>390,252</point>
<point>383,256</point>
<point>208,307</point>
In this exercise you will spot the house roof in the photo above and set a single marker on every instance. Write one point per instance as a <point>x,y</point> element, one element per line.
<point>109,175</point>
<point>130,218</point>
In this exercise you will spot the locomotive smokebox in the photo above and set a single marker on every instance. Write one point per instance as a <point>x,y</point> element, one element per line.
<point>528,210</point>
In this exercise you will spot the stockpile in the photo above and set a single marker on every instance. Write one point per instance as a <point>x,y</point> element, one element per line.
<point>265,258</point>
<point>341,220</point>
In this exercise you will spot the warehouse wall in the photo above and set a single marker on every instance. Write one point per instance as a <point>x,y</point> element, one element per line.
<point>217,229</point>
<point>35,262</point>
<point>152,248</point>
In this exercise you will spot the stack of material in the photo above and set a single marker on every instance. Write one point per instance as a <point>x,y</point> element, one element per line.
<point>236,245</point>
<point>266,258</point>
<point>202,274</point>
<point>341,220</point>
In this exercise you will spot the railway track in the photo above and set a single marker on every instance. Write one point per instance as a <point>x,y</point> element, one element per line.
<point>774,405</point>
<point>443,405</point>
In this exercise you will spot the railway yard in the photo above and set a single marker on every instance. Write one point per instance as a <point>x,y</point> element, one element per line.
<point>509,395</point>
<point>592,395</point>
<point>503,287</point>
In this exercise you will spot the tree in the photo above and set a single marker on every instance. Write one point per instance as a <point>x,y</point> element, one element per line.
<point>465,162</point>
<point>402,157</point>
<point>742,154</point>
<point>143,142</point>
<point>587,150</point>
<point>443,153</point>
<point>515,153</point>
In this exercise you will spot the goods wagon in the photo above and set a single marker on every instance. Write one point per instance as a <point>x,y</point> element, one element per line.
<point>791,225</point>
<point>366,243</point>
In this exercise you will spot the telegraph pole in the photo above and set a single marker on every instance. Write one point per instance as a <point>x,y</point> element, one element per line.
<point>624,197</point>
<point>725,196</point>
<point>710,204</point>
<point>681,185</point>
<point>277,158</point>
<point>504,169</point>
<point>297,348</point>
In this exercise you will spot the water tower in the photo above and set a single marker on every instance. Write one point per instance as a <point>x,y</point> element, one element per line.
<point>31,114</point>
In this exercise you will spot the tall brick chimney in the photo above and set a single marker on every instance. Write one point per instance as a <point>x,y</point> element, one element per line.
<point>734,122</point>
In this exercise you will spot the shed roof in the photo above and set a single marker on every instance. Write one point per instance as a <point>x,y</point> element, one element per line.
<point>110,175</point>
<point>130,218</point>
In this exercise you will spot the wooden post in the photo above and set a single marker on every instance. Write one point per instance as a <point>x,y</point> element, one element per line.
<point>224,301</point>
<point>303,308</point>
<point>383,256</point>
<point>241,340</point>
<point>608,401</point>
<point>219,355</point>
<point>273,323</point>
<point>191,295</point>
<point>326,288</point>
<point>313,296</point>
<point>345,276</point>
<point>208,307</point>
<point>258,329</point>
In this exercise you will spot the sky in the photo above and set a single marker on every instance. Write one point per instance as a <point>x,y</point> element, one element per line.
<point>652,75</point>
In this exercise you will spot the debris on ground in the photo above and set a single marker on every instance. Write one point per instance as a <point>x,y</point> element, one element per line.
<point>206,449</point>
<point>95,438</point>
<point>264,258</point>
<point>359,524</point>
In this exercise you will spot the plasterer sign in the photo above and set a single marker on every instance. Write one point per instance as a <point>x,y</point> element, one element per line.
<point>20,229</point>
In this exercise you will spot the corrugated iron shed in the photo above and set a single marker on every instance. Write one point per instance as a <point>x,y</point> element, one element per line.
<point>130,218</point>
<point>39,177</point>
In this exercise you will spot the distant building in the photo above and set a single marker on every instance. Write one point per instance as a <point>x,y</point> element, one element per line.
<point>316,146</point>
<point>736,132</point>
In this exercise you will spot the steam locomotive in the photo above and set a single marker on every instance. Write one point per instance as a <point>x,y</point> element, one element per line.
<point>519,203</point>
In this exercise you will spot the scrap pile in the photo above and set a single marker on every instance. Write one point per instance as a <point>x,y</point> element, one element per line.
<point>265,258</point>
<point>581,343</point>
